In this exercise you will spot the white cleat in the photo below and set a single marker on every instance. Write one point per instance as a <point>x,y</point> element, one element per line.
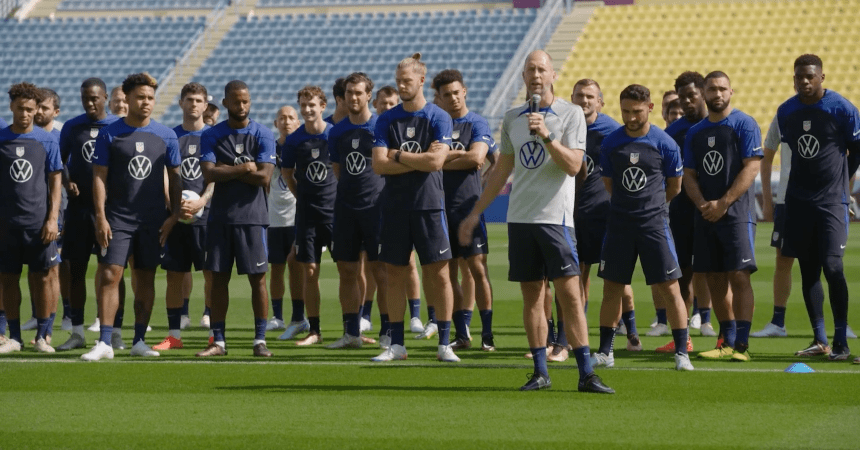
<point>30,324</point>
<point>365,325</point>
<point>346,341</point>
<point>275,324</point>
<point>11,345</point>
<point>601,360</point>
<point>682,362</point>
<point>141,349</point>
<point>392,353</point>
<point>446,354</point>
<point>204,322</point>
<point>621,330</point>
<point>100,351</point>
<point>429,331</point>
<point>384,342</point>
<point>770,330</point>
<point>707,330</point>
<point>66,325</point>
<point>295,328</point>
<point>654,322</point>
<point>184,322</point>
<point>660,330</point>
<point>75,341</point>
<point>696,321</point>
<point>634,347</point>
<point>849,333</point>
<point>43,347</point>
<point>96,326</point>
<point>116,340</point>
<point>415,325</point>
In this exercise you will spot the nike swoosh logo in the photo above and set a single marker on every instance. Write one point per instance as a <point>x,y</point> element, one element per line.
<point>481,245</point>
<point>54,258</point>
<point>668,272</point>
<point>746,260</point>
<point>162,255</point>
<point>260,264</point>
<point>443,251</point>
<point>856,132</point>
<point>565,267</point>
<point>272,157</point>
<point>842,246</point>
<point>757,149</point>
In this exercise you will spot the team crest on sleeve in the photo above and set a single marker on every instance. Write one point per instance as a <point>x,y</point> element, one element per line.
<point>138,146</point>
<point>19,151</point>
<point>634,158</point>
<point>315,153</point>
<point>807,125</point>
<point>240,148</point>
<point>455,134</point>
<point>94,132</point>
<point>192,149</point>
<point>712,141</point>
<point>410,132</point>
<point>355,143</point>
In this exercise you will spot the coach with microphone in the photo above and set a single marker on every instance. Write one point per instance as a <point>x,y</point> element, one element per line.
<point>543,144</point>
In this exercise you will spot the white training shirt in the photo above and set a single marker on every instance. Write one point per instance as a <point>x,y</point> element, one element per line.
<point>282,203</point>
<point>772,141</point>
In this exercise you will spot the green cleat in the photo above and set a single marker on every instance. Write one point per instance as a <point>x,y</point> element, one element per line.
<point>722,352</point>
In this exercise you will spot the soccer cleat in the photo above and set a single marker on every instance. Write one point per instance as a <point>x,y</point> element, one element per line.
<point>100,351</point>
<point>204,321</point>
<point>634,344</point>
<point>857,360</point>
<point>661,329</point>
<point>739,356</point>
<point>446,354</point>
<point>310,339</point>
<point>47,340</point>
<point>184,322</point>
<point>770,330</point>
<point>168,343</point>
<point>461,343</point>
<point>295,328</point>
<point>654,322</point>
<point>429,331</point>
<point>670,347</point>
<point>116,340</point>
<point>721,352</point>
<point>212,350</point>
<point>839,353</point>
<point>66,325</point>
<point>367,340</point>
<point>621,330</point>
<point>96,326</point>
<point>559,353</point>
<point>415,325</point>
<point>29,325</point>
<point>345,341</point>
<point>488,344</point>
<point>707,330</point>
<point>211,340</point>
<point>42,346</point>
<point>384,342</point>
<point>593,383</point>
<point>600,359</point>
<point>849,333</point>
<point>364,325</point>
<point>528,355</point>
<point>815,349</point>
<point>696,321</point>
<point>682,362</point>
<point>3,339</point>
<point>393,353</point>
<point>11,345</point>
<point>275,324</point>
<point>141,349</point>
<point>536,382</point>
<point>75,341</point>
<point>261,351</point>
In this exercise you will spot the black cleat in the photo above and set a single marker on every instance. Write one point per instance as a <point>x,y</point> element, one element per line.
<point>593,383</point>
<point>815,349</point>
<point>461,343</point>
<point>536,382</point>
<point>487,343</point>
<point>839,353</point>
<point>262,351</point>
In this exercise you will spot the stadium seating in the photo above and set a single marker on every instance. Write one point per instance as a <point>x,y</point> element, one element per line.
<point>60,54</point>
<point>278,55</point>
<point>118,5</point>
<point>296,3</point>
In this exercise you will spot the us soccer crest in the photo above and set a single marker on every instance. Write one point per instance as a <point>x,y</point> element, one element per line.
<point>455,135</point>
<point>94,132</point>
<point>138,146</point>
<point>634,158</point>
<point>19,151</point>
<point>807,124</point>
<point>192,149</point>
<point>355,143</point>
<point>315,153</point>
<point>410,132</point>
<point>240,148</point>
<point>712,141</point>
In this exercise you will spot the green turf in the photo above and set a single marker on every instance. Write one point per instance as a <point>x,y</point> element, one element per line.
<point>314,398</point>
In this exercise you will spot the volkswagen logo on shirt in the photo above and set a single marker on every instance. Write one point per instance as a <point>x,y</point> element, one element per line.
<point>457,145</point>
<point>411,147</point>
<point>633,179</point>
<point>21,171</point>
<point>532,155</point>
<point>355,163</point>
<point>241,159</point>
<point>713,162</point>
<point>190,169</point>
<point>140,167</point>
<point>807,146</point>
<point>316,172</point>
<point>87,150</point>
<point>589,165</point>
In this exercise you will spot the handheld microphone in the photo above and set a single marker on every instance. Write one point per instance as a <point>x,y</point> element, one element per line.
<point>534,106</point>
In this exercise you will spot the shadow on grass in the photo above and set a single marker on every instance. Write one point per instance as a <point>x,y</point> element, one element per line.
<point>354,388</point>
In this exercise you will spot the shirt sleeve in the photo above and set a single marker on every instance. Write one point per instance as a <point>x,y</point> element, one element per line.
<point>442,127</point>
<point>380,133</point>
<point>672,166</point>
<point>772,139</point>
<point>65,151</point>
<point>267,153</point>
<point>481,133</point>
<point>207,147</point>
<point>288,154</point>
<point>101,154</point>
<point>750,139</point>
<point>53,162</point>
<point>575,130</point>
<point>852,123</point>
<point>507,148</point>
<point>173,158</point>
<point>689,159</point>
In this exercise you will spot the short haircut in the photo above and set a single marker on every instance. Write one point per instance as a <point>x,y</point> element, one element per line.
<point>114,90</point>
<point>211,107</point>
<point>808,60</point>
<point>717,74</point>
<point>50,93</point>
<point>689,77</point>
<point>338,90</point>
<point>90,82</point>
<point>235,85</point>
<point>413,62</point>
<point>311,92</point>
<point>637,93</point>
<point>138,79</point>
<point>674,104</point>
<point>668,93</point>
<point>359,77</point>
<point>447,76</point>
<point>27,91</point>
<point>585,82</point>
<point>193,88</point>
<point>386,91</point>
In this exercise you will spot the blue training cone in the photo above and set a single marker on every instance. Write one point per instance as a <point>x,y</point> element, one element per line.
<point>799,368</point>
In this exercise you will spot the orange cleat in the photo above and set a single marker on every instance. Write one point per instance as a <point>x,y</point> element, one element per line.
<point>670,347</point>
<point>168,343</point>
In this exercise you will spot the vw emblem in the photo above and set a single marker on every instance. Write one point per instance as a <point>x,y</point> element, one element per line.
<point>87,150</point>
<point>532,155</point>
<point>807,146</point>
<point>411,147</point>
<point>355,163</point>
<point>140,167</point>
<point>457,145</point>
<point>190,169</point>
<point>316,172</point>
<point>241,159</point>
<point>713,162</point>
<point>633,179</point>
<point>21,171</point>
<point>589,165</point>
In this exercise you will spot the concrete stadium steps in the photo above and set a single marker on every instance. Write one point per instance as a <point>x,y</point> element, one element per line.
<point>378,8</point>
<point>44,8</point>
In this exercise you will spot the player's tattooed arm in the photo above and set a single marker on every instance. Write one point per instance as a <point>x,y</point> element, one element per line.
<point>50,229</point>
<point>385,164</point>
<point>191,207</point>
<point>103,231</point>
<point>467,160</point>
<point>673,188</point>
<point>220,172</point>
<point>259,177</point>
<point>431,160</point>
<point>501,172</point>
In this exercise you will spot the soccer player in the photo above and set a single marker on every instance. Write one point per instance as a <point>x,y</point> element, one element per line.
<point>338,91</point>
<point>412,141</point>
<point>129,161</point>
<point>210,116</point>
<point>356,212</point>
<point>238,155</point>
<point>675,112</point>
<point>641,168</point>
<point>185,246</point>
<point>461,179</point>
<point>820,126</point>
<point>77,145</point>
<point>722,155</point>
<point>592,208</point>
<point>118,104</point>
<point>30,166</point>
<point>668,97</point>
<point>386,98</point>
<point>540,215</point>
<point>306,167</point>
<point>282,235</point>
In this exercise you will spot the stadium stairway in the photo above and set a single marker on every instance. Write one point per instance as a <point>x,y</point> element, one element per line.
<point>44,8</point>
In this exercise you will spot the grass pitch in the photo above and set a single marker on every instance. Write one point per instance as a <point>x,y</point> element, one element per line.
<point>316,398</point>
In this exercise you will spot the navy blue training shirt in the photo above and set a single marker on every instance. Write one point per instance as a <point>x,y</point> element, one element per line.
<point>316,184</point>
<point>592,200</point>
<point>463,187</point>
<point>25,161</point>
<point>77,145</point>
<point>351,146</point>
<point>189,170</point>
